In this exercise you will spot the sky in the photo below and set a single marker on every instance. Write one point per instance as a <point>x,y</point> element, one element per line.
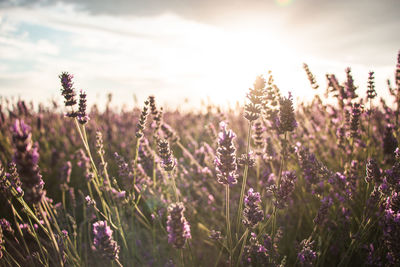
<point>185,52</point>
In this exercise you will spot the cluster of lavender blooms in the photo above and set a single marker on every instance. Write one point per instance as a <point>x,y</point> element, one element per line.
<point>286,121</point>
<point>178,227</point>
<point>265,253</point>
<point>103,243</point>
<point>125,173</point>
<point>283,191</point>
<point>252,213</point>
<point>65,175</point>
<point>248,160</point>
<point>355,120</point>
<point>255,96</point>
<point>168,160</point>
<point>68,91</point>
<point>142,121</point>
<point>26,158</point>
<point>311,168</point>
<point>307,255</point>
<point>84,163</point>
<point>258,137</point>
<point>225,161</point>
<point>391,227</point>
<point>10,184</point>
<point>373,172</point>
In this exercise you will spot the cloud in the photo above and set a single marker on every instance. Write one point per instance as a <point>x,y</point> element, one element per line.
<point>189,50</point>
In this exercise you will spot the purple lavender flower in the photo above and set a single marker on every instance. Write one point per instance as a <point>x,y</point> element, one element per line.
<point>215,235</point>
<point>103,242</point>
<point>10,181</point>
<point>372,258</point>
<point>248,160</point>
<point>349,85</point>
<point>284,190</point>
<point>66,172</point>
<point>255,95</point>
<point>264,253</point>
<point>252,213</point>
<point>83,117</point>
<point>225,162</point>
<point>287,121</point>
<point>371,93</point>
<point>6,226</point>
<point>68,92</point>
<point>84,163</point>
<point>355,120</point>
<point>168,160</point>
<point>389,141</point>
<point>169,133</point>
<point>14,179</point>
<point>26,158</point>
<point>178,227</point>
<point>391,228</point>
<point>373,173</point>
<point>309,165</point>
<point>142,120</point>
<point>125,173</point>
<point>258,137</point>
<point>322,214</point>
<point>306,256</point>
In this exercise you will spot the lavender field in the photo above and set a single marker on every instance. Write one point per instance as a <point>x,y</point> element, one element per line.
<point>265,184</point>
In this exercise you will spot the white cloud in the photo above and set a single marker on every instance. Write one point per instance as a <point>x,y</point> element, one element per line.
<point>169,56</point>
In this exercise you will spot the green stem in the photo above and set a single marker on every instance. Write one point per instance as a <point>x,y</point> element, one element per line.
<point>243,245</point>
<point>228,224</point>
<point>171,176</point>
<point>135,160</point>
<point>242,192</point>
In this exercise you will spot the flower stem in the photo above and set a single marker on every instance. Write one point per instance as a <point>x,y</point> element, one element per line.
<point>228,224</point>
<point>242,192</point>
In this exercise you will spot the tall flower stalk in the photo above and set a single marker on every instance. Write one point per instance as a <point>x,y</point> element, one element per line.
<point>285,124</point>
<point>139,134</point>
<point>226,166</point>
<point>252,112</point>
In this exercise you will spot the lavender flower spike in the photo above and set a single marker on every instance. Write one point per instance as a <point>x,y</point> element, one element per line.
<point>225,162</point>
<point>177,226</point>
<point>252,212</point>
<point>103,242</point>
<point>168,160</point>
<point>306,256</point>
<point>68,92</point>
<point>26,158</point>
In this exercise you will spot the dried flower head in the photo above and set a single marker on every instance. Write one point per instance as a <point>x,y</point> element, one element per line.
<point>311,77</point>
